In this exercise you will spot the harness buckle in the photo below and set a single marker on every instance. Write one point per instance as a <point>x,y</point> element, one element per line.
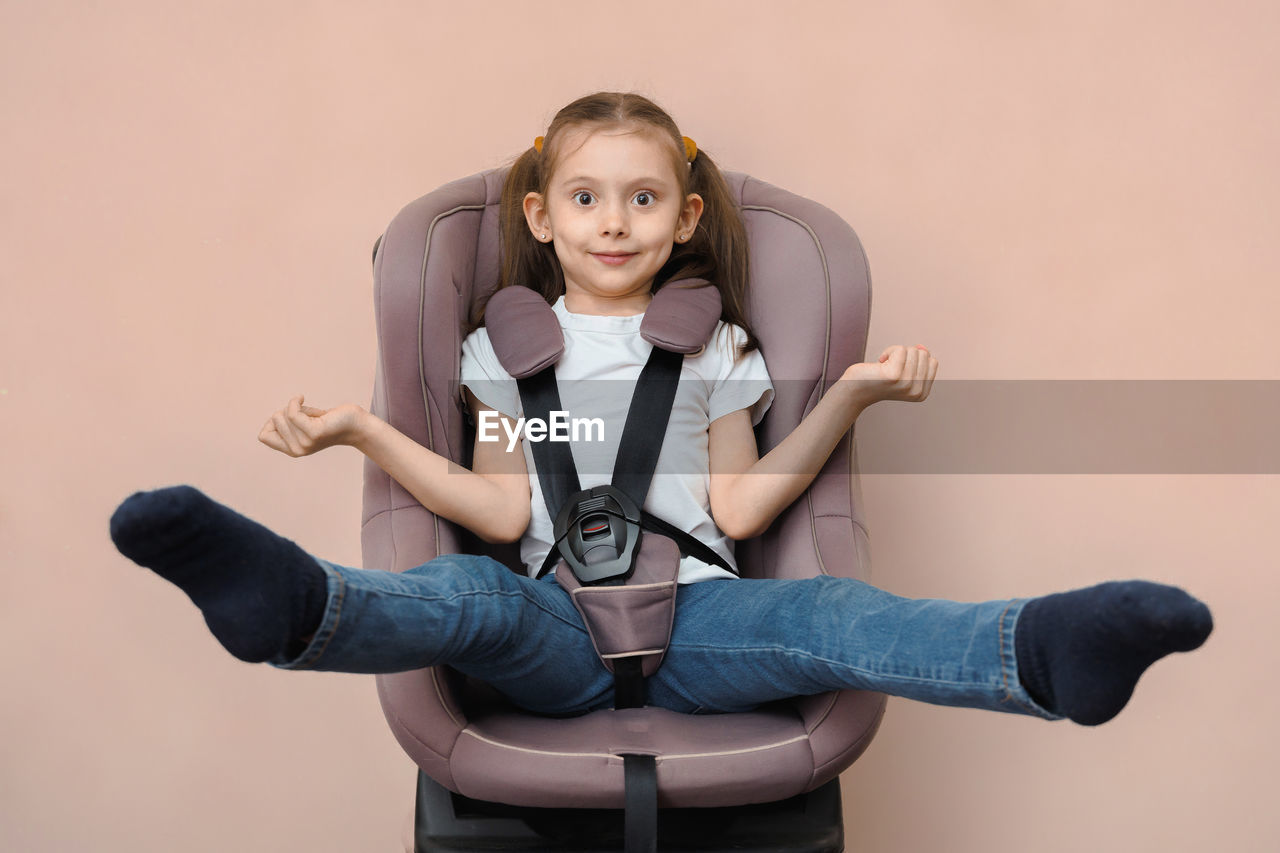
<point>597,532</point>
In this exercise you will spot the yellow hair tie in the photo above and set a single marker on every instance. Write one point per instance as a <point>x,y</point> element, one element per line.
<point>690,147</point>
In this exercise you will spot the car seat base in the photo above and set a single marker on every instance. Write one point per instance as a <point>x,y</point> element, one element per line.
<point>445,822</point>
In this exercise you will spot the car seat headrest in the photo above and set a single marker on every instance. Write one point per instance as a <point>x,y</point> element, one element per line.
<point>526,337</point>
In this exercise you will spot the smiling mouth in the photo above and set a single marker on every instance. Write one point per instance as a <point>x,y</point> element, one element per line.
<point>612,258</point>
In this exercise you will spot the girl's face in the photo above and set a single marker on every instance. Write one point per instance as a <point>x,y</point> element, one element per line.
<point>613,212</point>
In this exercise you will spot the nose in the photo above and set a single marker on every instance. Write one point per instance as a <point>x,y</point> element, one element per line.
<point>613,219</point>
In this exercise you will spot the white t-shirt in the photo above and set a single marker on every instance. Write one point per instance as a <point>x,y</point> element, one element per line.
<point>596,375</point>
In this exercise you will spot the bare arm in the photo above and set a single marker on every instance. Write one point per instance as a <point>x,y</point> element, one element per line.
<point>491,499</point>
<point>747,493</point>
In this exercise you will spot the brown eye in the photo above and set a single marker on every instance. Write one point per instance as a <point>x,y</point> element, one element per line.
<point>577,197</point>
<point>648,196</point>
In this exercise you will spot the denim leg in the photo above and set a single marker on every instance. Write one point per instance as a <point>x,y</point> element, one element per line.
<point>739,643</point>
<point>521,636</point>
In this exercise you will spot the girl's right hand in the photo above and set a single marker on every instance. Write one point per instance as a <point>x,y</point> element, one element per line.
<point>299,430</point>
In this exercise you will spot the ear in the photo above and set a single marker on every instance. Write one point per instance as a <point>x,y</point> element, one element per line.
<point>689,216</point>
<point>535,213</point>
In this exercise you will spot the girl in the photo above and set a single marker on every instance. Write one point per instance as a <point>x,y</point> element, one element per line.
<point>606,208</point>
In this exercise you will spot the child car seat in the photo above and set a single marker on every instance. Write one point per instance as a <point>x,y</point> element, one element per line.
<point>809,305</point>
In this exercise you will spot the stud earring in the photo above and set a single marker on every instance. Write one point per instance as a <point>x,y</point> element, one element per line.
<point>544,236</point>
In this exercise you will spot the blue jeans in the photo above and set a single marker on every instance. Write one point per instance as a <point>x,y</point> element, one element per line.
<point>735,645</point>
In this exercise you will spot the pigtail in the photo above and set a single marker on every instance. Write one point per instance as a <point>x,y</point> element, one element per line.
<point>524,261</point>
<point>718,249</point>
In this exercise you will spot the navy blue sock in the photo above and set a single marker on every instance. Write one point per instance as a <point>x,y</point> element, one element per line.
<point>1080,653</point>
<point>261,594</point>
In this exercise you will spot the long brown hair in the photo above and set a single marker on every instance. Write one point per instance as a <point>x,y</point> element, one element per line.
<point>716,252</point>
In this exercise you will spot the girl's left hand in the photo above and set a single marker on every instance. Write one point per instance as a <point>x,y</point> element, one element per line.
<point>902,373</point>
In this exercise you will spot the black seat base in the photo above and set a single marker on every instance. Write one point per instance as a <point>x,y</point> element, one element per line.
<point>445,822</point>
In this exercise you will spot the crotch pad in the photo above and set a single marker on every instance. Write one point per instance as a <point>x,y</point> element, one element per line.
<point>526,337</point>
<point>635,619</point>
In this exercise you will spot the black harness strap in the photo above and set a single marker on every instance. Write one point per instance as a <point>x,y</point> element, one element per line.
<point>628,683</point>
<point>641,819</point>
<point>646,427</point>
<point>553,459</point>
<point>690,546</point>
<point>642,435</point>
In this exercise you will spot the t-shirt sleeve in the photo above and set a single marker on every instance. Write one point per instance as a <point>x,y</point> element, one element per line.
<point>741,383</point>
<point>482,372</point>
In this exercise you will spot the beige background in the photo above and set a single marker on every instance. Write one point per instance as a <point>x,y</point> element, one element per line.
<point>190,194</point>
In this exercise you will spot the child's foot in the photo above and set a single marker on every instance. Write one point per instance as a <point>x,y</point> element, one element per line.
<point>260,593</point>
<point>1080,653</point>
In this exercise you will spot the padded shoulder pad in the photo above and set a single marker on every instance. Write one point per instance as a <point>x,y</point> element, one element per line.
<point>526,336</point>
<point>682,315</point>
<point>524,331</point>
